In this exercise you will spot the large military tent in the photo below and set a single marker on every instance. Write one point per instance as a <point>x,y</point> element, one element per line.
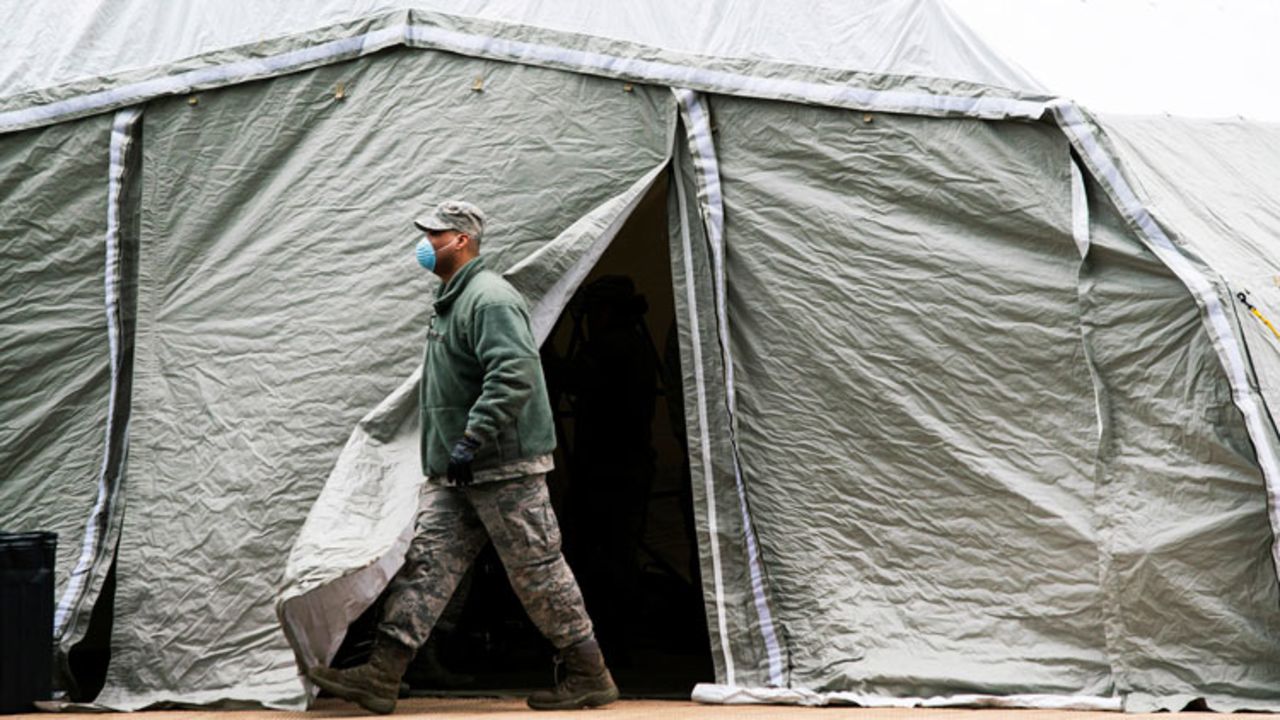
<point>977,410</point>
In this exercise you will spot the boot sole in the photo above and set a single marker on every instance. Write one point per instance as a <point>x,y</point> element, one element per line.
<point>590,700</point>
<point>372,703</point>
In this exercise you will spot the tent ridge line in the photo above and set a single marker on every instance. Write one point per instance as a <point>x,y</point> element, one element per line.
<point>410,33</point>
<point>723,81</point>
<point>1087,140</point>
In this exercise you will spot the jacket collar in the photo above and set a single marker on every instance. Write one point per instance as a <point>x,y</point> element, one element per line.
<point>449,292</point>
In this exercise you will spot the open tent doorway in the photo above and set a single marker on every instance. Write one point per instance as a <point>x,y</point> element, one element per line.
<point>621,491</point>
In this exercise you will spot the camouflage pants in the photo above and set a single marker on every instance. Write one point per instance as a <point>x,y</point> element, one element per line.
<point>452,528</point>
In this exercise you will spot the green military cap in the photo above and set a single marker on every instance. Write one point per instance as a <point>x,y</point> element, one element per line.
<point>454,215</point>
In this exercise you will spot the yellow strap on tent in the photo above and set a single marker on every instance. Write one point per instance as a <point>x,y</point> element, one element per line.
<point>1244,298</point>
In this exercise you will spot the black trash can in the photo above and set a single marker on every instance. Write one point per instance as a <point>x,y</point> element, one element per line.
<point>26,619</point>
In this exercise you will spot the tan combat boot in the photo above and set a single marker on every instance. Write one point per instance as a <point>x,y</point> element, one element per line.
<point>373,686</point>
<point>587,682</point>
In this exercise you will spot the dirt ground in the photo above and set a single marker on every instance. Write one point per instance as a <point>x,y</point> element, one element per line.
<point>514,709</point>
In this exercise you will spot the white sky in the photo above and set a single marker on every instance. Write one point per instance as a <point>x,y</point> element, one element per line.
<point>1198,58</point>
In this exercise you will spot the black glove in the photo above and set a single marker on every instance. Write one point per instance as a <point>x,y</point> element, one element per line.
<point>464,452</point>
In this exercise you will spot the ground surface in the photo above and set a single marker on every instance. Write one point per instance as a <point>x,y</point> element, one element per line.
<point>514,709</point>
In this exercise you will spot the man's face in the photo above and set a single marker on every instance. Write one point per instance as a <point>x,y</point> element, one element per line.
<point>446,244</point>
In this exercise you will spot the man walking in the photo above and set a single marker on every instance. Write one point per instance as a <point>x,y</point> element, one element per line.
<point>487,439</point>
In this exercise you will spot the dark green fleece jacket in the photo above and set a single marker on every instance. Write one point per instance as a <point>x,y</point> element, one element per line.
<point>481,375</point>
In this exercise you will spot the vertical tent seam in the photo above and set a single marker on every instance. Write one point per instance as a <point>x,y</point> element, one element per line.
<point>109,474</point>
<point>711,204</point>
<point>713,531</point>
<point>1106,170</point>
<point>1080,233</point>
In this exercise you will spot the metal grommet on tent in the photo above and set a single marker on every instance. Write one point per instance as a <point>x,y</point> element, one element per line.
<point>866,117</point>
<point>194,100</point>
<point>477,85</point>
<point>628,87</point>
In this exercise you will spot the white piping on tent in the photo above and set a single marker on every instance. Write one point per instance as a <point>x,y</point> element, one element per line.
<point>661,73</point>
<point>650,71</point>
<point>95,528</point>
<point>713,530</point>
<point>693,107</point>
<point>724,695</point>
<point>1106,170</point>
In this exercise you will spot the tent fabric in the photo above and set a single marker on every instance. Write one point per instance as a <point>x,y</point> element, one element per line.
<point>696,114</point>
<point>54,231</point>
<point>64,48</point>
<point>357,532</point>
<point>923,272</point>
<point>277,305</point>
<point>1208,287</point>
<point>1178,490</point>
<point>65,352</point>
<point>519,43</point>
<point>743,651</point>
<point>1214,183</point>
<point>1103,515</point>
<point>974,413</point>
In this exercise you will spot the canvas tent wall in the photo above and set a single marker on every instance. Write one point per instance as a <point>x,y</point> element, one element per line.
<point>63,358</point>
<point>898,366</point>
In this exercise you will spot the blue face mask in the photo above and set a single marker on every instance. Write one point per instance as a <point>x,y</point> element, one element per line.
<point>426,254</point>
